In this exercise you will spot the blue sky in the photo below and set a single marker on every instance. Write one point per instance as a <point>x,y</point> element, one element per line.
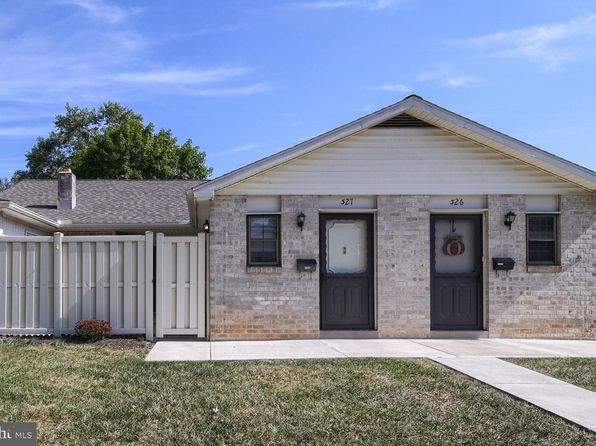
<point>245,79</point>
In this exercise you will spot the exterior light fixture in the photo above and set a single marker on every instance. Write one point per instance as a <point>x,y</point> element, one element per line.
<point>206,226</point>
<point>300,220</point>
<point>509,219</point>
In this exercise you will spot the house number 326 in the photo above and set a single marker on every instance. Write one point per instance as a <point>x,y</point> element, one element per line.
<point>457,202</point>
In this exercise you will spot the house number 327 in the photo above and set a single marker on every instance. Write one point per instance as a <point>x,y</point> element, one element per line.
<point>347,201</point>
<point>457,202</point>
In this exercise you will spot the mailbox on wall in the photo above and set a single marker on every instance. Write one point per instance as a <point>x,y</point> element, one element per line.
<point>306,265</point>
<point>503,263</point>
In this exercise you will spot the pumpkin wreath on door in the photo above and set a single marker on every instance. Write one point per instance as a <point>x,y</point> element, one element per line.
<point>453,246</point>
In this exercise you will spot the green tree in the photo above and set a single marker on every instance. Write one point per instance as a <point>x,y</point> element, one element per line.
<point>112,142</point>
<point>5,183</point>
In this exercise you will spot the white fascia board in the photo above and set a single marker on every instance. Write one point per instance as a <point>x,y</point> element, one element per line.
<point>106,227</point>
<point>27,216</point>
<point>556,162</point>
<point>413,105</point>
<point>207,190</point>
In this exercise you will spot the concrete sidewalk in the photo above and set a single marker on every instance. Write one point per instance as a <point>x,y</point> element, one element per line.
<point>566,400</point>
<point>359,348</point>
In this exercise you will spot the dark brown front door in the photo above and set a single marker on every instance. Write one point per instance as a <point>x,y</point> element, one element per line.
<point>346,271</point>
<point>456,272</point>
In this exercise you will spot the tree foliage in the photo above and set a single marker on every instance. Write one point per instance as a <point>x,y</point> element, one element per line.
<point>5,183</point>
<point>112,142</point>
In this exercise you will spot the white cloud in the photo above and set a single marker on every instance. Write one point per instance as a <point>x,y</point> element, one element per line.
<point>441,71</point>
<point>100,10</point>
<point>11,163</point>
<point>381,4</point>
<point>127,41</point>
<point>461,81</point>
<point>323,4</point>
<point>237,149</point>
<point>447,75</point>
<point>47,64</point>
<point>547,45</point>
<point>24,130</point>
<point>372,5</point>
<point>182,77</point>
<point>198,32</point>
<point>36,67</point>
<point>400,88</point>
<point>11,114</point>
<point>243,90</point>
<point>39,68</point>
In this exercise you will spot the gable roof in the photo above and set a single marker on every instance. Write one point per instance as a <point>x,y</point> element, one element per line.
<point>416,107</point>
<point>106,202</point>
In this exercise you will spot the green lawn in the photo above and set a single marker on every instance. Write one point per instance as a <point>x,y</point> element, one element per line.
<point>93,394</point>
<point>578,371</point>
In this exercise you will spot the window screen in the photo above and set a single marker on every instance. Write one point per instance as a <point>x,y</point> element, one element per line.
<point>263,240</point>
<point>542,239</point>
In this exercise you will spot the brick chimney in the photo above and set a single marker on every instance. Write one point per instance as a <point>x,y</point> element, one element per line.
<point>67,189</point>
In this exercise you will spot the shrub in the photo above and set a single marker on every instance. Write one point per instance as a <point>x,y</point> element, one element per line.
<point>93,329</point>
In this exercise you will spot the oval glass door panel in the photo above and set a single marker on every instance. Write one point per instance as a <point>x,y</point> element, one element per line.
<point>455,252</point>
<point>346,246</point>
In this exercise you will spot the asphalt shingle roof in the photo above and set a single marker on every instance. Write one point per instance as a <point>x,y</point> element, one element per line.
<point>108,201</point>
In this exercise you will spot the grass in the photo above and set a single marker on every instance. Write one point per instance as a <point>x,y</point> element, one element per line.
<point>99,395</point>
<point>578,371</point>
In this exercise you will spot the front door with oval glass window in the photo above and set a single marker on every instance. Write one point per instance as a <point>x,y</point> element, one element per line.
<point>346,271</point>
<point>456,272</point>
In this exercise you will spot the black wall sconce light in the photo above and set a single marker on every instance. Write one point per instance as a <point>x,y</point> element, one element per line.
<point>300,220</point>
<point>509,219</point>
<point>206,226</point>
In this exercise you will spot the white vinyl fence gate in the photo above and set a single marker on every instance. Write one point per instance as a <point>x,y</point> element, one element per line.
<point>47,284</point>
<point>180,289</point>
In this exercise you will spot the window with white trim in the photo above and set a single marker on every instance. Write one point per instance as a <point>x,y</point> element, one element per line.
<point>263,240</point>
<point>542,230</point>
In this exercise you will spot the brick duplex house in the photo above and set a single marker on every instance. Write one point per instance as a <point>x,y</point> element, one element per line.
<point>405,211</point>
<point>412,221</point>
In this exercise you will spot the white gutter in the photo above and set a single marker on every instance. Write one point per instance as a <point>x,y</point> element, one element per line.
<point>26,215</point>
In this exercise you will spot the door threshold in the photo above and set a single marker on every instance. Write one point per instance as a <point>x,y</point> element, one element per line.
<point>459,334</point>
<point>348,334</point>
<point>180,338</point>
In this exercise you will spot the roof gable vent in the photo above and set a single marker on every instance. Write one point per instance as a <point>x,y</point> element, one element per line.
<point>403,120</point>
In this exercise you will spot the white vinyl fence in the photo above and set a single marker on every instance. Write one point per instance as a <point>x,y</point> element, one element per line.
<point>47,284</point>
<point>180,289</point>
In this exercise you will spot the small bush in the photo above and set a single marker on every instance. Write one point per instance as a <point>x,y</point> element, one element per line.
<point>93,329</point>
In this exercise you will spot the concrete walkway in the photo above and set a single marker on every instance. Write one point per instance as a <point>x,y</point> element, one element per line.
<point>477,358</point>
<point>376,348</point>
<point>566,400</point>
